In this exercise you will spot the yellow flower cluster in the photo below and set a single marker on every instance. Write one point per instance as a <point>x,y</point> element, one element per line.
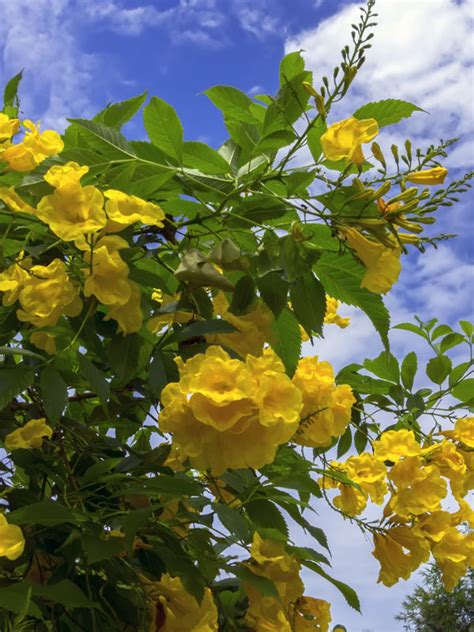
<point>173,609</point>
<point>32,150</point>
<point>228,413</point>
<point>254,328</point>
<point>12,541</point>
<point>29,436</point>
<point>84,215</point>
<point>326,407</point>
<point>416,477</point>
<point>291,611</point>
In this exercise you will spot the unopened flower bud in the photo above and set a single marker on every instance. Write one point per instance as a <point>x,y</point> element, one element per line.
<point>382,190</point>
<point>378,153</point>
<point>407,238</point>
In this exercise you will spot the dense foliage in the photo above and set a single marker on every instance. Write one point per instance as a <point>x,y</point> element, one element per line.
<point>431,609</point>
<point>161,433</point>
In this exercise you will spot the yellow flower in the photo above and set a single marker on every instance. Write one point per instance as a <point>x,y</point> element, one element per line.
<point>29,436</point>
<point>450,463</point>
<point>390,550</point>
<point>108,280</point>
<point>433,526</point>
<point>463,431</point>
<point>34,148</point>
<point>369,473</point>
<point>312,615</point>
<point>13,279</point>
<point>419,489</point>
<point>454,554</point>
<point>47,294</point>
<point>332,317</point>
<point>465,513</point>
<point>254,328</point>
<point>72,211</point>
<point>217,415</point>
<point>345,138</point>
<point>382,263</point>
<point>124,210</point>
<point>129,316</point>
<point>10,197</point>
<point>436,175</point>
<point>173,609</point>
<point>395,444</point>
<point>12,542</point>
<point>350,501</point>
<point>8,128</point>
<point>43,340</point>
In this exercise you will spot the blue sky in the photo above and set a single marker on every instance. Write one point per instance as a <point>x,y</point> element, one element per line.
<point>78,55</point>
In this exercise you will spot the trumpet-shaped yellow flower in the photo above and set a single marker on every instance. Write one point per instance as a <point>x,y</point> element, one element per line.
<point>8,128</point>
<point>436,175</point>
<point>311,615</point>
<point>10,198</point>
<point>12,541</point>
<point>463,431</point>
<point>450,462</point>
<point>123,210</point>
<point>332,317</point>
<point>72,210</point>
<point>221,412</point>
<point>454,554</point>
<point>382,263</point>
<point>129,316</point>
<point>419,489</point>
<point>35,147</point>
<point>345,139</point>
<point>173,609</point>
<point>108,278</point>
<point>47,294</point>
<point>13,279</point>
<point>396,444</point>
<point>369,473</point>
<point>29,436</point>
<point>400,551</point>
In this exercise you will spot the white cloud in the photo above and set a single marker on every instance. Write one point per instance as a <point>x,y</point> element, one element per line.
<point>422,52</point>
<point>258,18</point>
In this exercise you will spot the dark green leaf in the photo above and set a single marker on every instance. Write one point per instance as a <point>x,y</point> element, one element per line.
<point>54,393</point>
<point>95,378</point>
<point>273,289</point>
<point>288,340</point>
<point>163,127</point>
<point>264,585</point>
<point>157,377</point>
<point>308,302</point>
<point>45,512</point>
<point>14,597</point>
<point>13,382</point>
<point>204,327</point>
<point>344,443</point>
<point>243,296</point>
<point>438,369</point>
<point>348,593</point>
<point>265,514</point>
<point>408,370</point>
<point>66,593</point>
<point>233,521</point>
<point>387,112</point>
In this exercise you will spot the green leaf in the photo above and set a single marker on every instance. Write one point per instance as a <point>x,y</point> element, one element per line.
<point>64,592</point>
<point>123,354</point>
<point>344,442</point>
<point>440,330</point>
<point>457,372</point>
<point>157,377</point>
<point>384,366</point>
<point>467,328</point>
<point>314,138</point>
<point>10,94</point>
<point>288,340</point>
<point>308,302</point>
<point>464,390</point>
<point>292,97</point>
<point>266,515</point>
<point>438,368</point>
<point>232,102</point>
<point>408,370</point>
<point>95,378</point>
<point>54,393</point>
<point>13,382</point>
<point>178,485</point>
<point>117,114</point>
<point>360,439</point>
<point>201,156</point>
<point>46,512</point>
<point>243,295</point>
<point>413,328</point>
<point>233,521</point>
<point>106,140</point>
<point>341,276</point>
<point>291,65</point>
<point>387,112</point>
<point>273,289</point>
<point>163,127</point>
<point>348,593</point>
<point>450,341</point>
<point>264,585</point>
<point>14,597</point>
<point>97,549</point>
<point>204,327</point>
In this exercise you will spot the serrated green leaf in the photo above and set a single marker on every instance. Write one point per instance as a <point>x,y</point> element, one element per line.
<point>163,127</point>
<point>387,112</point>
<point>264,585</point>
<point>54,393</point>
<point>273,289</point>
<point>287,344</point>
<point>105,140</point>
<point>438,368</point>
<point>233,521</point>
<point>291,65</point>
<point>117,114</point>
<point>265,514</point>
<point>341,277</point>
<point>408,370</point>
<point>234,103</point>
<point>10,94</point>
<point>385,366</point>
<point>201,156</point>
<point>13,382</point>
<point>46,512</point>
<point>348,593</point>
<point>243,295</point>
<point>308,302</point>
<point>464,390</point>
